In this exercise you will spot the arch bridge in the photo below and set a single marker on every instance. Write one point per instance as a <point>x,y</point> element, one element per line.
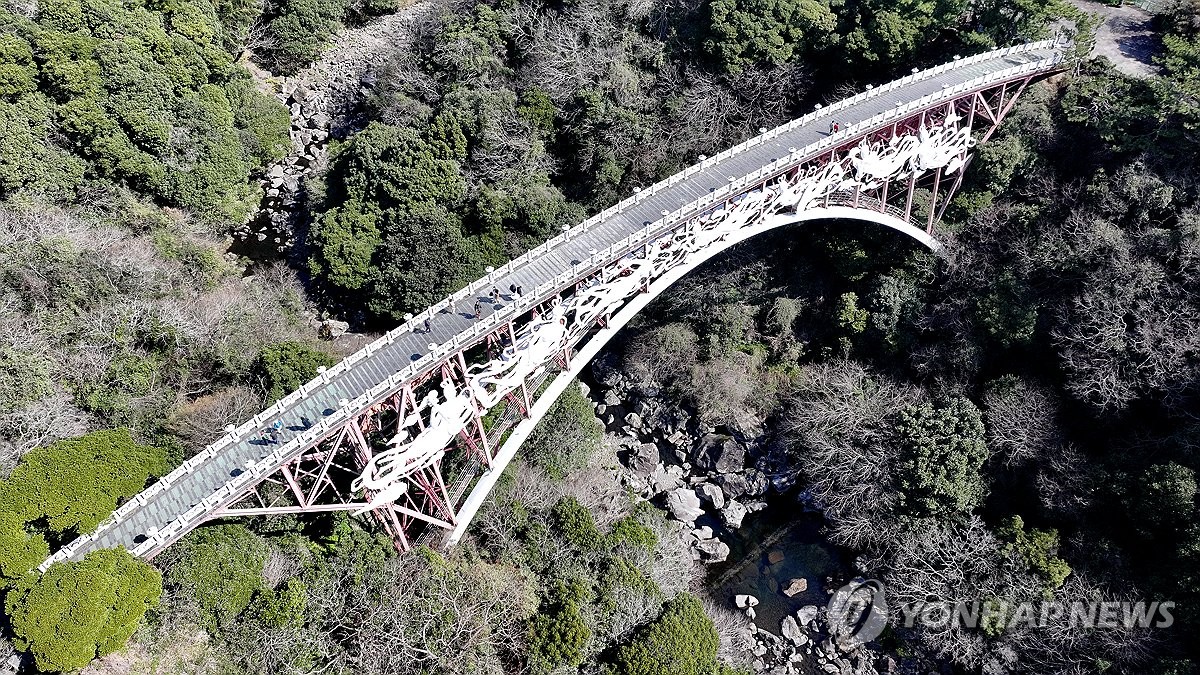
<point>413,430</point>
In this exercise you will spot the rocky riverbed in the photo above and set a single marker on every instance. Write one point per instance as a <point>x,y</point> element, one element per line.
<point>762,545</point>
<point>325,103</point>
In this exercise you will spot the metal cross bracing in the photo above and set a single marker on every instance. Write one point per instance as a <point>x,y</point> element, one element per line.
<point>341,430</point>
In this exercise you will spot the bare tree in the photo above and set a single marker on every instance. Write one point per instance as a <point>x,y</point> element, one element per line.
<point>1021,419</point>
<point>836,426</point>
<point>203,420</point>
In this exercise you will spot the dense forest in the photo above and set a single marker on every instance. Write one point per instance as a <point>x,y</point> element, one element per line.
<point>1013,419</point>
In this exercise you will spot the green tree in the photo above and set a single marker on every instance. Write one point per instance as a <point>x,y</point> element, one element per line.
<point>559,634</point>
<point>424,258</point>
<point>344,241</point>
<point>284,366</point>
<point>78,611</point>
<point>850,318</point>
<point>221,567</point>
<point>393,166</point>
<point>567,437</point>
<point>20,551</point>
<point>299,30</point>
<point>942,450</point>
<point>746,33</point>
<point>1164,498</point>
<point>1038,548</point>
<point>681,641</point>
<point>76,483</point>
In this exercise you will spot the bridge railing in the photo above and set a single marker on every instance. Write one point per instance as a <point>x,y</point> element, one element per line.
<point>668,221</point>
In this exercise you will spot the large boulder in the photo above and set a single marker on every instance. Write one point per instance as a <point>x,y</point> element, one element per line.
<point>750,482</point>
<point>732,514</point>
<point>684,504</point>
<point>791,630</point>
<point>712,550</point>
<point>664,479</point>
<point>744,601</point>
<point>720,453</point>
<point>734,485</point>
<point>643,459</point>
<point>711,494</point>
<point>807,614</point>
<point>796,587</point>
<point>745,426</point>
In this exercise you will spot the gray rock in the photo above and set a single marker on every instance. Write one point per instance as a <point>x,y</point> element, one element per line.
<point>796,587</point>
<point>732,514</point>
<point>333,328</point>
<point>791,630</point>
<point>644,459</point>
<point>711,494</point>
<point>716,452</point>
<point>664,480</point>
<point>702,533</point>
<point>757,483</point>
<point>734,485</point>
<point>745,426</point>
<point>712,550</point>
<point>634,420</point>
<point>744,601</point>
<point>684,504</point>
<point>807,614</point>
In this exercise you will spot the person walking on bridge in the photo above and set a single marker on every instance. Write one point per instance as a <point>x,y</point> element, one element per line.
<point>478,309</point>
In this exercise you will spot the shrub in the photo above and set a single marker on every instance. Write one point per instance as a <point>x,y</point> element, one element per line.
<point>284,366</point>
<point>681,641</point>
<point>24,378</point>
<point>1038,548</point>
<point>575,523</point>
<point>629,531</point>
<point>262,123</point>
<point>221,567</point>
<point>77,611</point>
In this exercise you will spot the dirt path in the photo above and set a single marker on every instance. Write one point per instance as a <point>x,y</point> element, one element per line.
<point>1125,37</point>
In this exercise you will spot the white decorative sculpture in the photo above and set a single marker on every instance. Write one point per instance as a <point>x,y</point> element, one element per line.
<point>535,345</point>
<point>386,473</point>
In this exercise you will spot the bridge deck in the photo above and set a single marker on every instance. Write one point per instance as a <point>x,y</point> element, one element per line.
<point>169,504</point>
